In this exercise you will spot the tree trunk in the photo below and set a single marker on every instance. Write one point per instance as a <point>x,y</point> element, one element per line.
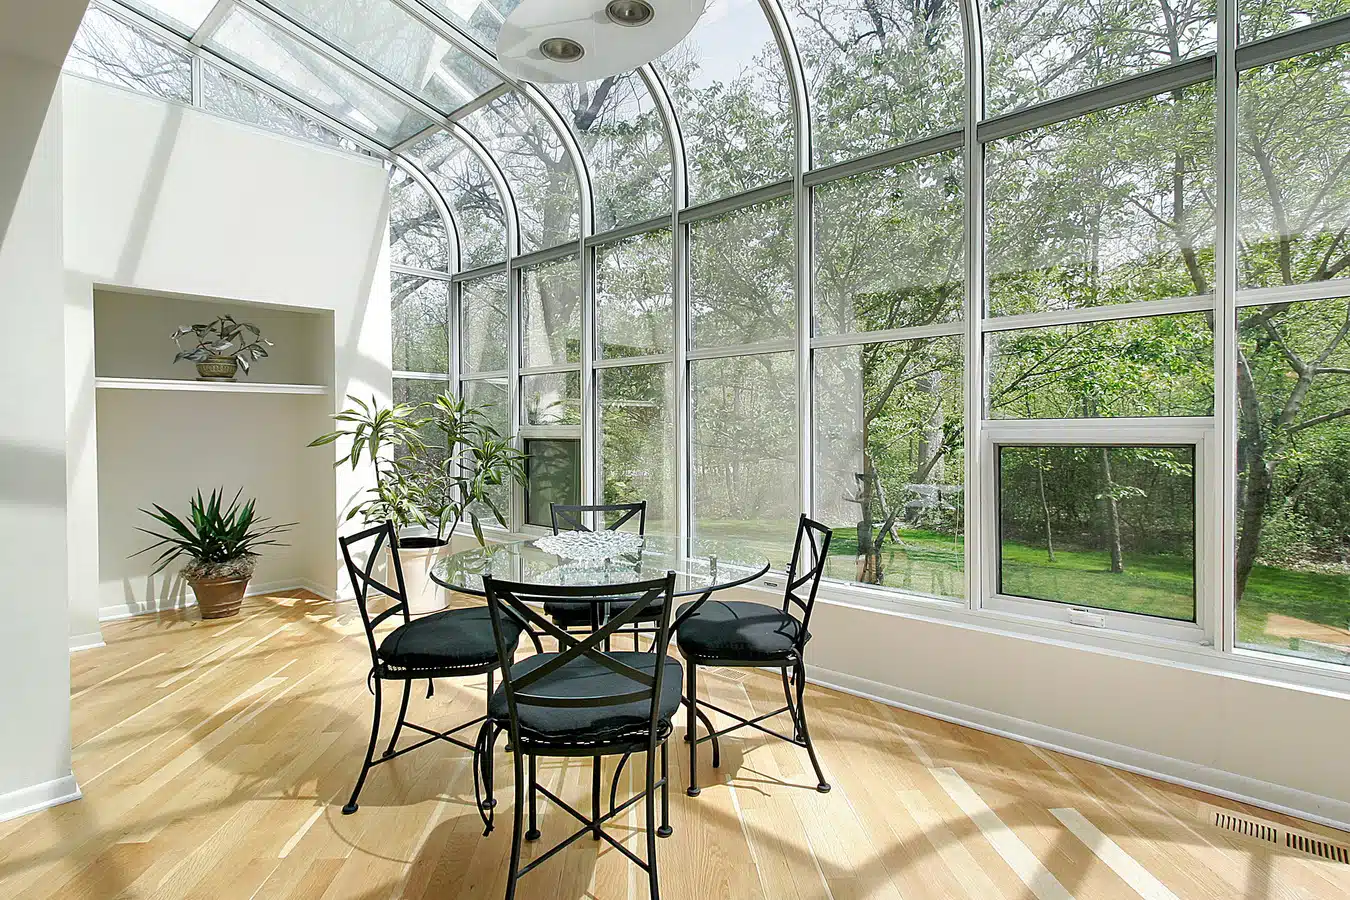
<point>1045,507</point>
<point>1112,511</point>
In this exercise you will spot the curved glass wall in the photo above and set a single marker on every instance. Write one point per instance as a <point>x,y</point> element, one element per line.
<point>733,99</point>
<point>538,168</point>
<point>625,145</point>
<point>1075,344</point>
<point>880,74</point>
<point>470,191</point>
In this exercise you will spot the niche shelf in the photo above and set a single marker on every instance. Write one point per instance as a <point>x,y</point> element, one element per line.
<point>237,387</point>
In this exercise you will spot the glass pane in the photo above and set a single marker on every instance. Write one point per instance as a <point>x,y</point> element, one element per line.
<point>1264,18</point>
<point>416,391</point>
<point>471,193</point>
<point>420,312</point>
<point>225,95</point>
<point>731,96</point>
<point>417,235</point>
<point>633,296</point>
<point>637,441</point>
<point>484,324</point>
<point>1106,527</point>
<point>621,135</point>
<point>1292,580</point>
<point>553,399</point>
<point>745,451</point>
<point>489,397</point>
<point>550,309</point>
<point>880,73</point>
<point>1111,207</point>
<point>183,16</point>
<point>1293,186</point>
<point>1041,50</point>
<point>107,49</point>
<point>261,48</point>
<point>889,248</point>
<point>741,277</point>
<point>537,167</point>
<point>1160,366</point>
<point>889,459</point>
<point>397,46</point>
<point>481,18</point>
<point>552,475</point>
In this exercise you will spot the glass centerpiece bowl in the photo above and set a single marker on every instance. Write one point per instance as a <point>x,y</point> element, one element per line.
<point>590,546</point>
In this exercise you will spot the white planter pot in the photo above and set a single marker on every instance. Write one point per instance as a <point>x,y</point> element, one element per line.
<point>424,595</point>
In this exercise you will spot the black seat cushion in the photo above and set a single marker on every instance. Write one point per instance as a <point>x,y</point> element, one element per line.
<point>449,640</point>
<point>578,615</point>
<point>737,631</point>
<point>584,677</point>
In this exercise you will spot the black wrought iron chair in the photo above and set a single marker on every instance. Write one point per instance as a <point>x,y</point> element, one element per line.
<point>583,701</point>
<point>587,616</point>
<point>452,644</point>
<point>744,634</point>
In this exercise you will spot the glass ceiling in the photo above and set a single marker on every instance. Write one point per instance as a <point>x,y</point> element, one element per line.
<point>715,117</point>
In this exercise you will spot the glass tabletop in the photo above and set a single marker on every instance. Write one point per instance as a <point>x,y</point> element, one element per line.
<point>699,565</point>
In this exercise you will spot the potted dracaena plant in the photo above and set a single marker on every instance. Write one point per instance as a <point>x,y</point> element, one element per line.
<point>221,545</point>
<point>221,347</point>
<point>421,484</point>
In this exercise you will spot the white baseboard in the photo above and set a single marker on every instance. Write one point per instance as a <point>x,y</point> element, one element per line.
<point>91,641</point>
<point>187,601</point>
<point>1278,798</point>
<point>39,796</point>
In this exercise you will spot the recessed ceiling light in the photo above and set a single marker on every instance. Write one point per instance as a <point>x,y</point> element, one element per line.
<point>629,13</point>
<point>560,49</point>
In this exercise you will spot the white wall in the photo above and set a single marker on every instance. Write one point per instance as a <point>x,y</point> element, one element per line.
<point>1279,746</point>
<point>160,198</point>
<point>35,756</point>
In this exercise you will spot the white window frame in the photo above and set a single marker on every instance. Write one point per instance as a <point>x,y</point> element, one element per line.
<point>1197,432</point>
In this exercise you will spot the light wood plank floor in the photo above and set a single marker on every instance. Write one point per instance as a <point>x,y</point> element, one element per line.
<point>215,757</point>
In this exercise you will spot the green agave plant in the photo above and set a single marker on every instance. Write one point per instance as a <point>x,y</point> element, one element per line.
<point>213,535</point>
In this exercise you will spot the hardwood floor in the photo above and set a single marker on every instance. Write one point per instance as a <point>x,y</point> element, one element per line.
<point>215,756</point>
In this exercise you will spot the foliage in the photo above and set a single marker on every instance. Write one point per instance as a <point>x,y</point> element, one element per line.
<point>212,536</point>
<point>389,438</point>
<point>223,336</point>
<point>436,462</point>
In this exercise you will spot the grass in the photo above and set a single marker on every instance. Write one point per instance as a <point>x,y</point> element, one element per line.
<point>933,564</point>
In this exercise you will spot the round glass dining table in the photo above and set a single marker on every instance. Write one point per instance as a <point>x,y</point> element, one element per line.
<point>700,566</point>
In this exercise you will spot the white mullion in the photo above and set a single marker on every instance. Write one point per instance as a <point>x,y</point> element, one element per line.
<point>1110,312</point>
<point>421,376</point>
<point>976,541</point>
<point>889,335</point>
<point>1294,293</point>
<point>527,371</point>
<point>1224,479</point>
<point>433,274</point>
<point>734,350</point>
<point>624,362</point>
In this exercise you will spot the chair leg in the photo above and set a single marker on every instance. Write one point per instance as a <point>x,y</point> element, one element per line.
<point>518,824</point>
<point>665,830</point>
<point>595,797</point>
<point>691,726</point>
<point>370,755</point>
<point>533,833</point>
<point>653,882</point>
<point>402,712</point>
<point>821,784</point>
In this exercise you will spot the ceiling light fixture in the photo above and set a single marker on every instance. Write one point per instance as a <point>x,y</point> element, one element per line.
<point>561,49</point>
<point>629,13</point>
<point>586,40</point>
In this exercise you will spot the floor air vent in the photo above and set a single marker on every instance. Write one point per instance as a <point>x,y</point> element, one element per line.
<point>1275,833</point>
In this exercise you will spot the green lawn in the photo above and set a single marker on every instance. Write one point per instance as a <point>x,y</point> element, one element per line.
<point>929,563</point>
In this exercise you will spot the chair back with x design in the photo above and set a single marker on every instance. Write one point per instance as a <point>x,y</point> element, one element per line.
<point>804,573</point>
<point>626,602</point>
<point>363,580</point>
<point>573,518</point>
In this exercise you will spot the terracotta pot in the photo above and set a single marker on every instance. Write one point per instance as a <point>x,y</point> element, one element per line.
<point>219,598</point>
<point>218,368</point>
<point>416,556</point>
